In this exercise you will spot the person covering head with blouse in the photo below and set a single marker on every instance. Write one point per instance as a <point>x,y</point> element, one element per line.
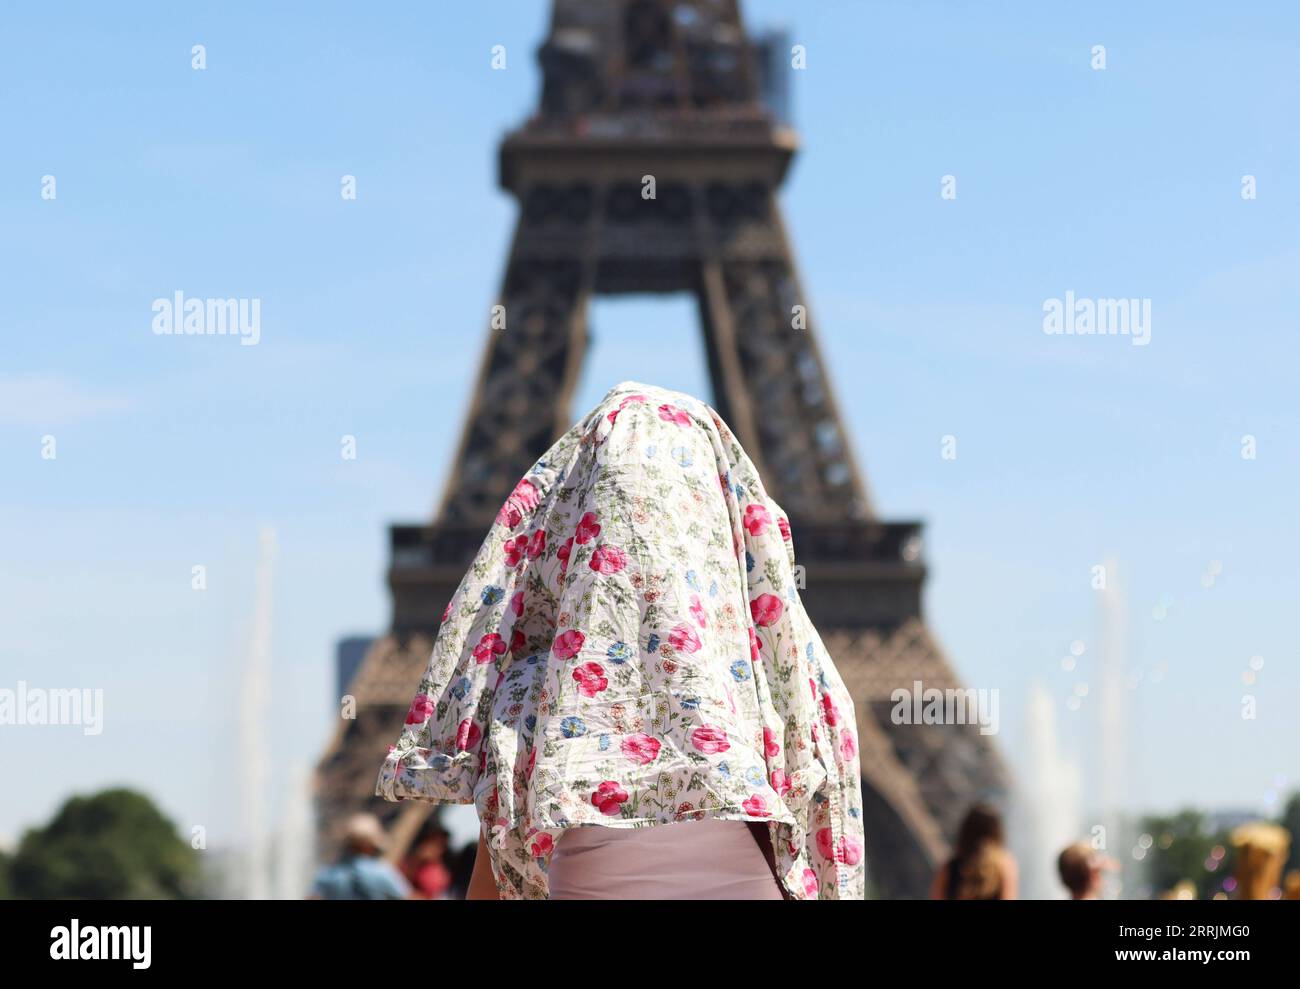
<point>626,685</point>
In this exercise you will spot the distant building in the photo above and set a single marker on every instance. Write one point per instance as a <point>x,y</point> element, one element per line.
<point>348,655</point>
<point>771,48</point>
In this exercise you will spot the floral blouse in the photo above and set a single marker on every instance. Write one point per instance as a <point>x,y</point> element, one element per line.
<point>628,649</point>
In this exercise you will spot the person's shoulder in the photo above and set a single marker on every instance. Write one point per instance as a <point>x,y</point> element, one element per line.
<point>328,878</point>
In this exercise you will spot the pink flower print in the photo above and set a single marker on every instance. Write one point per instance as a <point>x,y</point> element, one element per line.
<point>755,806</point>
<point>683,638</point>
<point>753,645</point>
<point>848,746</point>
<point>542,845</point>
<point>710,739</point>
<point>848,850</point>
<point>489,647</point>
<point>671,413</point>
<point>831,711</point>
<point>567,644</point>
<point>522,499</point>
<point>517,642</point>
<point>608,559</point>
<point>766,609</point>
<point>537,544</point>
<point>780,782</point>
<point>809,883</point>
<point>420,710</point>
<point>783,524</point>
<point>697,611</point>
<point>771,747</point>
<point>588,528</point>
<point>517,603</point>
<point>532,761</point>
<point>757,519</point>
<point>591,679</point>
<point>563,553</point>
<point>640,748</point>
<point>623,405</point>
<point>446,611</point>
<point>515,550</point>
<point>467,735</point>
<point>824,843</point>
<point>609,797</point>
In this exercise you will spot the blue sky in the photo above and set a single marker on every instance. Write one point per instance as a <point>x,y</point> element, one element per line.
<point>225,182</point>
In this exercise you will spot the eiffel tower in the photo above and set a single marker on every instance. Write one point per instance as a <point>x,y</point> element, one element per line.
<point>652,165</point>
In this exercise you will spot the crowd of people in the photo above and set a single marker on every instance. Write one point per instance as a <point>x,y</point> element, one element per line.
<point>430,870</point>
<point>981,867</point>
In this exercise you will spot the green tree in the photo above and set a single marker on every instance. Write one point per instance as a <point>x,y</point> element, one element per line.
<point>1181,846</point>
<point>5,862</point>
<point>114,845</point>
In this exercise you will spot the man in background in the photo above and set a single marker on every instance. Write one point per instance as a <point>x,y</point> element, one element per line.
<point>361,873</point>
<point>1081,867</point>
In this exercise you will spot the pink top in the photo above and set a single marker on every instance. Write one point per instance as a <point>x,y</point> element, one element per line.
<point>710,859</point>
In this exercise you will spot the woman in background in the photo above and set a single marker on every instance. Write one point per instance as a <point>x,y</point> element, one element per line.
<point>981,868</point>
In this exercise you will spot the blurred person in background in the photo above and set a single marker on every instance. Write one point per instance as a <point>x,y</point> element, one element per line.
<point>462,871</point>
<point>361,873</point>
<point>425,866</point>
<point>981,867</point>
<point>1081,869</point>
<point>1261,852</point>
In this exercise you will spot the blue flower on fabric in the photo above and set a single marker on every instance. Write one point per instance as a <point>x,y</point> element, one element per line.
<point>530,722</point>
<point>809,652</point>
<point>650,451</point>
<point>460,688</point>
<point>853,812</point>
<point>619,653</point>
<point>604,742</point>
<point>652,645</point>
<point>573,727</point>
<point>741,493</point>
<point>740,670</point>
<point>492,594</point>
<point>683,456</point>
<point>713,589</point>
<point>753,777</point>
<point>693,580</point>
<point>533,660</point>
<point>690,703</point>
<point>725,770</point>
<point>749,561</point>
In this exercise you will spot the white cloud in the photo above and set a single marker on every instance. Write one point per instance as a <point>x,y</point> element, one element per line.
<point>42,400</point>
